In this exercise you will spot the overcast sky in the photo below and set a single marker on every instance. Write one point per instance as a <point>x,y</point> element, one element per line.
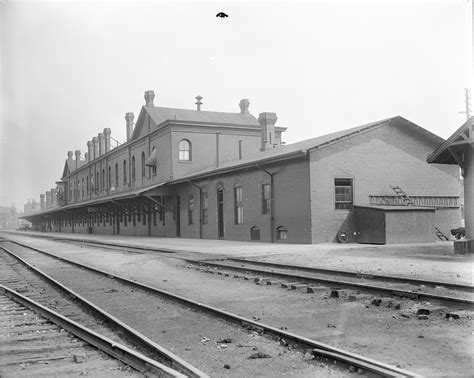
<point>71,69</point>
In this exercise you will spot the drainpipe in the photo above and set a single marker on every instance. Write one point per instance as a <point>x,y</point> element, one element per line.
<point>200,206</point>
<point>272,203</point>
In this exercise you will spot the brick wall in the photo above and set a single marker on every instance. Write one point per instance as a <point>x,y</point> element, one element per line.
<point>374,160</point>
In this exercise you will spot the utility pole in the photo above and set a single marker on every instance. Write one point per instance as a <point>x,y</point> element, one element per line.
<point>467,100</point>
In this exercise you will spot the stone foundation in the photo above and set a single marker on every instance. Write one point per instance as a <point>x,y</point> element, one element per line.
<point>464,246</point>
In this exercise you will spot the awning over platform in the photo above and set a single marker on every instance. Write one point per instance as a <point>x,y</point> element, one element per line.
<point>97,201</point>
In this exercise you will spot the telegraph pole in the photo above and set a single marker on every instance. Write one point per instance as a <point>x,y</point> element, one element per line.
<point>467,95</point>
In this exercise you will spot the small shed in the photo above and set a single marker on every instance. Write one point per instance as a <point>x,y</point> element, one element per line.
<point>394,224</point>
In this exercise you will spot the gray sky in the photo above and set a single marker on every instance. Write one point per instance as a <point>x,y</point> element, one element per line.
<point>71,69</point>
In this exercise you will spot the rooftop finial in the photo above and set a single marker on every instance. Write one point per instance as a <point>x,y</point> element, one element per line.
<point>198,103</point>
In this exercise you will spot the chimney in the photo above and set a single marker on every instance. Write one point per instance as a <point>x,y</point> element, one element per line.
<point>129,118</point>
<point>101,144</point>
<point>48,199</point>
<point>54,200</point>
<point>149,97</point>
<point>78,158</point>
<point>41,202</point>
<point>198,103</point>
<point>86,156</point>
<point>244,106</point>
<point>107,133</point>
<point>95,143</point>
<point>69,155</point>
<point>267,123</point>
<point>90,151</point>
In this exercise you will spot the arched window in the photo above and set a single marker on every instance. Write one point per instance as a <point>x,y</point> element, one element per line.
<point>282,233</point>
<point>133,168</point>
<point>143,165</point>
<point>254,233</point>
<point>109,178</point>
<point>116,176</point>
<point>184,149</point>
<point>125,171</point>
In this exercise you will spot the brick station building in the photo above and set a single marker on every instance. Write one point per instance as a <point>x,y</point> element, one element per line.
<point>202,174</point>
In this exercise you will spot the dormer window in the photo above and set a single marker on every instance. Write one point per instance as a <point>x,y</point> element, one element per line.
<point>184,149</point>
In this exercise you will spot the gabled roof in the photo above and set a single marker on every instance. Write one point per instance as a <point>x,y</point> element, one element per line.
<point>462,136</point>
<point>299,149</point>
<point>160,115</point>
<point>70,166</point>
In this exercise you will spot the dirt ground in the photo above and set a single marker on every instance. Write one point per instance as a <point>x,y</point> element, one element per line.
<point>434,346</point>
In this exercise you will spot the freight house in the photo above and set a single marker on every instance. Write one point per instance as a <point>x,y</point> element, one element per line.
<point>203,174</point>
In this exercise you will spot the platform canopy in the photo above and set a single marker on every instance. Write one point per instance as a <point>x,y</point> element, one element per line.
<point>452,150</point>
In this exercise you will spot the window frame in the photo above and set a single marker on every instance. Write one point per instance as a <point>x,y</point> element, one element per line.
<point>341,202</point>
<point>280,231</point>
<point>266,202</point>
<point>205,207</point>
<point>190,209</point>
<point>184,153</point>
<point>238,204</point>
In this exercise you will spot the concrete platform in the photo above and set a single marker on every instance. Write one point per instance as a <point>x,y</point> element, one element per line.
<point>430,261</point>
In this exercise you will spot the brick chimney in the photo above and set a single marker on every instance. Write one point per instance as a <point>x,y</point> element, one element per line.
<point>69,155</point>
<point>101,144</point>
<point>90,151</point>
<point>78,158</point>
<point>41,202</point>
<point>244,106</point>
<point>95,144</point>
<point>267,123</point>
<point>149,97</point>
<point>107,133</point>
<point>129,118</point>
<point>54,199</point>
<point>48,199</point>
<point>86,156</point>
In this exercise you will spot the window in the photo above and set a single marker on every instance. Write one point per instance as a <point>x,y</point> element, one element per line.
<point>184,149</point>
<point>116,176</point>
<point>97,181</point>
<point>125,171</point>
<point>254,233</point>
<point>282,233</point>
<point>82,188</point>
<point>190,209</point>
<point>266,201</point>
<point>204,205</point>
<point>103,180</point>
<point>133,168</point>
<point>343,194</point>
<point>109,178</point>
<point>143,165</point>
<point>239,209</point>
<point>87,184</point>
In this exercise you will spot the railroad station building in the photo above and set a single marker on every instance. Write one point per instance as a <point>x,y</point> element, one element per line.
<point>215,175</point>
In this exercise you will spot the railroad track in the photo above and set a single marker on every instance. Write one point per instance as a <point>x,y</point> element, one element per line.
<point>39,342</point>
<point>310,279</point>
<point>199,314</point>
<point>20,277</point>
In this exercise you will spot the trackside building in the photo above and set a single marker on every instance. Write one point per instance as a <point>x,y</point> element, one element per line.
<point>201,174</point>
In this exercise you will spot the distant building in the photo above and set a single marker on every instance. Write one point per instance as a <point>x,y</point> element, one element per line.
<point>215,175</point>
<point>8,218</point>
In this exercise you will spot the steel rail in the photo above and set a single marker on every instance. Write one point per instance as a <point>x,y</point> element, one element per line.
<point>120,352</point>
<point>176,362</point>
<point>401,279</point>
<point>318,348</point>
<point>340,284</point>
